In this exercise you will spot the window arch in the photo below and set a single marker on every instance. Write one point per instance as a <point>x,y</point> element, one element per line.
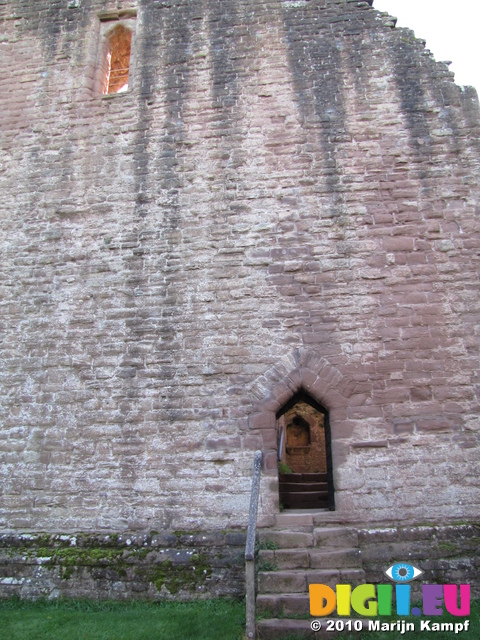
<point>119,47</point>
<point>114,61</point>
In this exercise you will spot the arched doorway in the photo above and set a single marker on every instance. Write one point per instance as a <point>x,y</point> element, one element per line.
<point>304,454</point>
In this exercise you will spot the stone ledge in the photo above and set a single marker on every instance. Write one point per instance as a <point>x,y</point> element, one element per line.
<point>447,553</point>
<point>157,566</point>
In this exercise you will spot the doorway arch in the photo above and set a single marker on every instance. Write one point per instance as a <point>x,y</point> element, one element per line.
<point>304,454</point>
<point>302,371</point>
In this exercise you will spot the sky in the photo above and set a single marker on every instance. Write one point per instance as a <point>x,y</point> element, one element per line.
<point>450,27</point>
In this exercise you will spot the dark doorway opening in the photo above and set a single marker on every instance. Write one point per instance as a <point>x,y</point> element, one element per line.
<point>305,455</point>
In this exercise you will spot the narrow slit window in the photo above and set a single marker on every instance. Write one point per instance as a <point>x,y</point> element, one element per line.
<point>118,60</point>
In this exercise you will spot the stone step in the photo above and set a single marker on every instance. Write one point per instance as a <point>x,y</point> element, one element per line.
<point>285,558</point>
<point>306,554</point>
<point>275,628</point>
<point>295,487</point>
<point>306,500</point>
<point>285,539</point>
<point>302,495</point>
<point>322,518</point>
<point>335,558</point>
<point>328,537</point>
<point>298,580</point>
<point>283,604</point>
<point>302,477</point>
<point>311,558</point>
<point>294,520</point>
<point>323,537</point>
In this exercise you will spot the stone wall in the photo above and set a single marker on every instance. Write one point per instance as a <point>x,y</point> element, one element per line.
<point>156,566</point>
<point>447,554</point>
<point>183,565</point>
<point>285,198</point>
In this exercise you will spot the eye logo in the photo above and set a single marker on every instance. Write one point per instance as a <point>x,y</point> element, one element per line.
<point>403,572</point>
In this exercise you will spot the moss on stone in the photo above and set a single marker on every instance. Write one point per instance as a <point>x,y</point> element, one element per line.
<point>448,546</point>
<point>181,577</point>
<point>179,534</point>
<point>69,558</point>
<point>141,554</point>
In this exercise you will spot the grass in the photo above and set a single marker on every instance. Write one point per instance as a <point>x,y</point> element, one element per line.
<point>87,620</point>
<point>201,620</point>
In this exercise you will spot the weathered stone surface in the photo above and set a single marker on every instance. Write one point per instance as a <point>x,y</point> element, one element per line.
<point>286,539</point>
<point>282,582</point>
<point>331,537</point>
<point>291,558</point>
<point>284,604</point>
<point>332,559</point>
<point>447,554</point>
<point>444,554</point>
<point>285,198</point>
<point>121,567</point>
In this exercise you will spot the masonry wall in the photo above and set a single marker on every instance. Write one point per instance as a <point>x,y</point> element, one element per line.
<point>152,566</point>
<point>182,565</point>
<point>286,198</point>
<point>446,554</point>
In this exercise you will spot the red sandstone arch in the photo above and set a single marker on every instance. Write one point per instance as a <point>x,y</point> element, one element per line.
<point>301,371</point>
<point>307,371</point>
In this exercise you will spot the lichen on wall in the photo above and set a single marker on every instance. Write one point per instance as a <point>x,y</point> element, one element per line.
<point>169,565</point>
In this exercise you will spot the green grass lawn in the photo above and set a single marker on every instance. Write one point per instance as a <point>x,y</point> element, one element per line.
<point>208,620</point>
<point>80,620</point>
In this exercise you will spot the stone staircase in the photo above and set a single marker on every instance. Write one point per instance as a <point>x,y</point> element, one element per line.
<point>303,490</point>
<point>299,550</point>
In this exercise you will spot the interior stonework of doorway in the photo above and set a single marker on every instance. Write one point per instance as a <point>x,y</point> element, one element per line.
<point>304,454</point>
